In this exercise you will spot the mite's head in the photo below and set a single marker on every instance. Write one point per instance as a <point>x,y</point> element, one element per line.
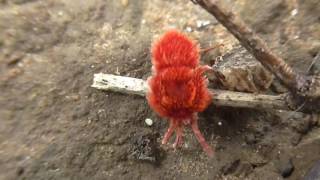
<point>174,49</point>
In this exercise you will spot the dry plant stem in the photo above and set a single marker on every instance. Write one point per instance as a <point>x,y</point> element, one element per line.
<point>257,47</point>
<point>128,85</point>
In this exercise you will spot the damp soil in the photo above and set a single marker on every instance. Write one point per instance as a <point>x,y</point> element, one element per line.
<point>53,125</point>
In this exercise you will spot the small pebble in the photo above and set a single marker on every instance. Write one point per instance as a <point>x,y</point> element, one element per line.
<point>294,12</point>
<point>149,122</point>
<point>188,29</point>
<point>202,23</point>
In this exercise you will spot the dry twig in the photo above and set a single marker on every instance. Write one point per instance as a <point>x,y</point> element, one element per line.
<point>139,87</point>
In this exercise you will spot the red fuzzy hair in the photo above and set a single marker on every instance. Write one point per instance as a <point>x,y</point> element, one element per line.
<point>177,88</point>
<point>174,49</point>
<point>178,92</point>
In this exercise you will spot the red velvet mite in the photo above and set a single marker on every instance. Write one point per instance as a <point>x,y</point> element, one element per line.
<point>177,87</point>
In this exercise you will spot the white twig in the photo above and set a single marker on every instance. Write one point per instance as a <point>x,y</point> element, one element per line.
<point>128,85</point>
<point>120,84</point>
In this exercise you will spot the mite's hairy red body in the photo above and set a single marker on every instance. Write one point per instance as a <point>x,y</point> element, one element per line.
<point>177,88</point>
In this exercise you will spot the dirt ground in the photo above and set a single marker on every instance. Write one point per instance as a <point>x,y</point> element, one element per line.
<point>53,125</point>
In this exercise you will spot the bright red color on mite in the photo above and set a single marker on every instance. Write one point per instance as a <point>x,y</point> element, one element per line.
<point>177,88</point>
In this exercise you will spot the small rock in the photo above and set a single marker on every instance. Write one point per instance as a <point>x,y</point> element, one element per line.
<point>149,122</point>
<point>188,29</point>
<point>294,12</point>
<point>202,23</point>
<point>242,72</point>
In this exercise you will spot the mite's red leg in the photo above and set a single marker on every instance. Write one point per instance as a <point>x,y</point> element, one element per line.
<point>179,137</point>
<point>202,69</point>
<point>199,136</point>
<point>169,132</point>
<point>206,68</point>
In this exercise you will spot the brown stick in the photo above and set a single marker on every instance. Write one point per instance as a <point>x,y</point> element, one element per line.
<point>304,86</point>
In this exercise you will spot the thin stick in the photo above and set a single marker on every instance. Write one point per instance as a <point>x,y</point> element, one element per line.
<point>128,85</point>
<point>304,86</point>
